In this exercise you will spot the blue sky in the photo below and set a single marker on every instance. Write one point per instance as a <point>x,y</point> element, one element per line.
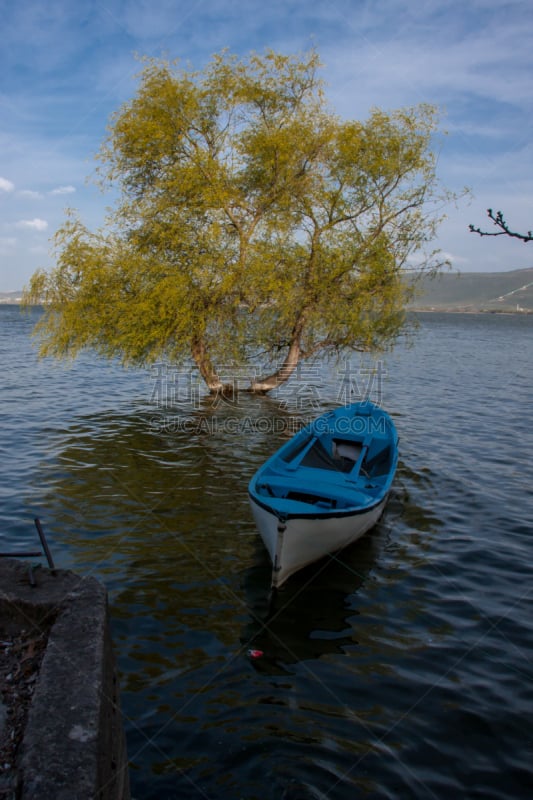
<point>66,66</point>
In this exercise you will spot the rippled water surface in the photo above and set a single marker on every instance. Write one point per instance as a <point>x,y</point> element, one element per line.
<point>400,669</point>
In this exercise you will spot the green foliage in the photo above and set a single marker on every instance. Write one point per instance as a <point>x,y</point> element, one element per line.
<point>250,215</point>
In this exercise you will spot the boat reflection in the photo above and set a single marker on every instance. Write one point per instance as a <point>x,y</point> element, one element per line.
<point>312,615</point>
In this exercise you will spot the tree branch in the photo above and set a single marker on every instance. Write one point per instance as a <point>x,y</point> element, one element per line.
<point>500,222</point>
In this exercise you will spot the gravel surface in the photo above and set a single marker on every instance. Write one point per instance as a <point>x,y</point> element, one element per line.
<point>21,653</point>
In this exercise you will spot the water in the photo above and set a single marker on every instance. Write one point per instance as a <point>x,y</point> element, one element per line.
<point>400,669</point>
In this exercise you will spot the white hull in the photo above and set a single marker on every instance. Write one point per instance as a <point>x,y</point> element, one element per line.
<point>300,541</point>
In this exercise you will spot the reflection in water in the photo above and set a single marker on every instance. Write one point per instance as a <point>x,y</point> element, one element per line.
<point>162,513</point>
<point>389,671</point>
<point>164,516</point>
<point>156,503</point>
<point>309,616</point>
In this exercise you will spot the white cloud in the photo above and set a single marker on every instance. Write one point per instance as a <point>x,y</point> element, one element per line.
<point>33,224</point>
<point>30,194</point>
<point>5,185</point>
<point>63,190</point>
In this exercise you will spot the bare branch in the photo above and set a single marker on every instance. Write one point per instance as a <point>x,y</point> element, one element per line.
<point>500,222</point>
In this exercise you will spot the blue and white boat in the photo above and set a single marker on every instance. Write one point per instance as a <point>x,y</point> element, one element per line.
<point>325,487</point>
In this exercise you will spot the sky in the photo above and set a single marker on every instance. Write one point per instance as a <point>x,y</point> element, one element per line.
<point>66,66</point>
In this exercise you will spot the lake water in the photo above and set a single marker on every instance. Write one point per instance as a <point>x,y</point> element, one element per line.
<point>402,668</point>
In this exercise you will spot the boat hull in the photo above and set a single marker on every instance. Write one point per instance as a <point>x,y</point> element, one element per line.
<point>324,488</point>
<point>297,542</point>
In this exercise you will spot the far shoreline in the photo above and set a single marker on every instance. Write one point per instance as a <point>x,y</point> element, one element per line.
<point>495,312</point>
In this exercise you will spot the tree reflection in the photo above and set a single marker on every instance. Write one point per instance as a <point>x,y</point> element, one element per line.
<point>155,503</point>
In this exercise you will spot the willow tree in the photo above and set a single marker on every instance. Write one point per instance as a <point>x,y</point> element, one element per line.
<point>249,216</point>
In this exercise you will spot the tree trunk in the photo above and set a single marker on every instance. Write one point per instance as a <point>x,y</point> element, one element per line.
<point>207,369</point>
<point>264,385</point>
<point>261,386</point>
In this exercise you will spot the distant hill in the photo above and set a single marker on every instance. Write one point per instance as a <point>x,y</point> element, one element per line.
<point>477,291</point>
<point>454,291</point>
<point>10,297</point>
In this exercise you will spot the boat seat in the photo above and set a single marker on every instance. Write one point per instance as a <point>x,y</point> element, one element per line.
<point>293,489</point>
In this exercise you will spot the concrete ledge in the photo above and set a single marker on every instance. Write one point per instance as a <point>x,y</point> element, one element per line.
<point>73,746</point>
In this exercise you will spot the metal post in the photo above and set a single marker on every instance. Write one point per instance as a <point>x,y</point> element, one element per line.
<point>45,545</point>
